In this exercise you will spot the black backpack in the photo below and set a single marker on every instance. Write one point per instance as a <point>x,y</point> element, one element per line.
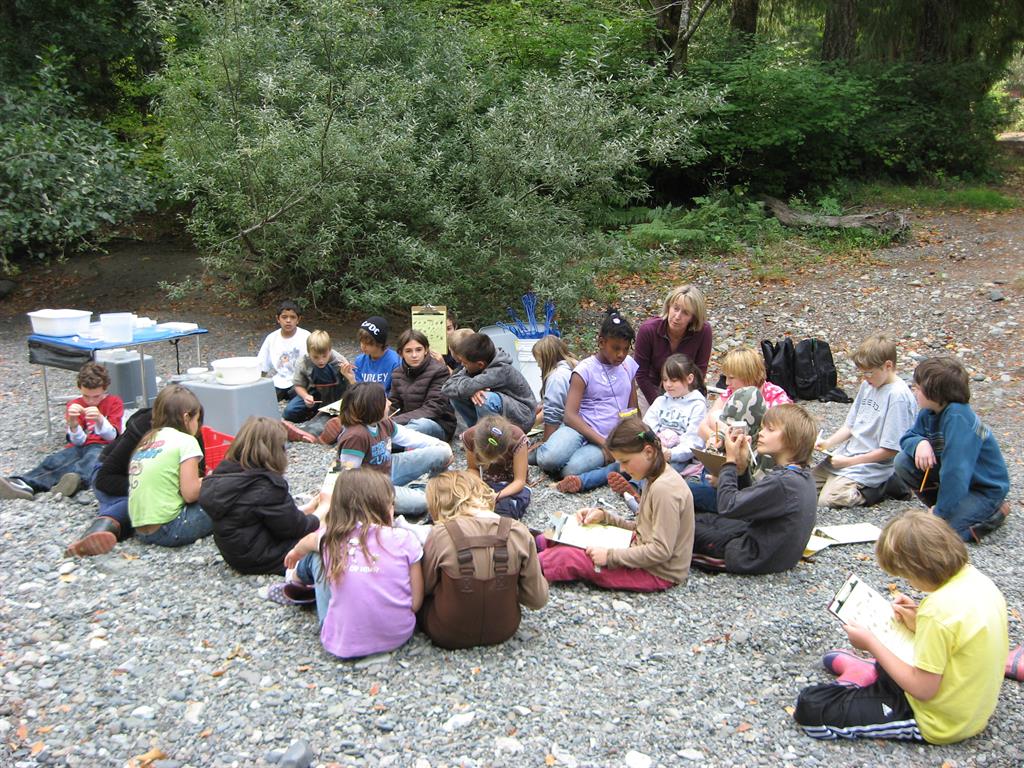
<point>780,364</point>
<point>815,370</point>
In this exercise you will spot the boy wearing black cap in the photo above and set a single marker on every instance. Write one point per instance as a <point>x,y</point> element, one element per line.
<point>377,360</point>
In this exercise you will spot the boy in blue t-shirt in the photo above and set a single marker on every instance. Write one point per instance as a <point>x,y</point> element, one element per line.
<point>949,457</point>
<point>377,360</point>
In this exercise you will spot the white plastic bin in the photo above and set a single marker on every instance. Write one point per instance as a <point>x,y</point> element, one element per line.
<point>117,327</point>
<point>528,365</point>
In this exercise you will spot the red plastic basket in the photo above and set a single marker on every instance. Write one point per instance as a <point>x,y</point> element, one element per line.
<point>216,444</point>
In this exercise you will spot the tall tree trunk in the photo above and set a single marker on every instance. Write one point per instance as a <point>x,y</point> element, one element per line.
<point>935,30</point>
<point>677,21</point>
<point>839,42</point>
<point>744,16</point>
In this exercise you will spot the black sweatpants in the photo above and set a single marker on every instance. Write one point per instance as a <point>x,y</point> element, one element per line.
<point>838,711</point>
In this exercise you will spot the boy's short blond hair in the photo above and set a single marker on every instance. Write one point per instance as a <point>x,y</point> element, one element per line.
<point>456,337</point>
<point>318,343</point>
<point>874,352</point>
<point>746,364</point>
<point>799,430</point>
<point>451,494</point>
<point>922,548</point>
<point>693,299</point>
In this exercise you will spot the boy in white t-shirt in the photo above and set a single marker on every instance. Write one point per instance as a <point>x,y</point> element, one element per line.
<point>283,348</point>
<point>884,409</point>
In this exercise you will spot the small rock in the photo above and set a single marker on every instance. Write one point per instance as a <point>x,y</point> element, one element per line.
<point>995,295</point>
<point>145,712</point>
<point>636,759</point>
<point>508,744</point>
<point>96,643</point>
<point>691,754</point>
<point>621,606</point>
<point>192,712</point>
<point>384,724</point>
<point>458,721</point>
<point>740,636</point>
<point>66,568</point>
<point>298,755</point>
<point>421,762</point>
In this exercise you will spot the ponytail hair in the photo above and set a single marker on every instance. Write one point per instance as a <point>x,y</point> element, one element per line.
<point>679,367</point>
<point>615,326</point>
<point>632,435</point>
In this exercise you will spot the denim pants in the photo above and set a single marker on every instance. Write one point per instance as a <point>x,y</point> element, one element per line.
<point>567,452</point>
<point>973,508</point>
<point>115,507</point>
<point>513,506</point>
<point>74,458</point>
<point>298,412</point>
<point>309,571</point>
<point>189,526</point>
<point>408,467</point>
<point>705,495</point>
<point>471,413</point>
<point>427,427</point>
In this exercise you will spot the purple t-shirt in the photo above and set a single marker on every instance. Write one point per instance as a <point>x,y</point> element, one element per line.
<point>607,392</point>
<point>371,608</point>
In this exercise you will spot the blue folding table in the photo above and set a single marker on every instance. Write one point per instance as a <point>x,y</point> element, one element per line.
<point>70,353</point>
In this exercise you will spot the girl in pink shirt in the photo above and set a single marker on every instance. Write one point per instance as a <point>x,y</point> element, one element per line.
<point>366,573</point>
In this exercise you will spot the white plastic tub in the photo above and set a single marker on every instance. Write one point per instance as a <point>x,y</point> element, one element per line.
<point>60,322</point>
<point>118,327</point>
<point>237,370</point>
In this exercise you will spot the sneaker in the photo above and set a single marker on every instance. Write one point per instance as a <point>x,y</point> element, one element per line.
<point>986,527</point>
<point>618,483</point>
<point>13,488</point>
<point>570,484</point>
<point>68,484</point>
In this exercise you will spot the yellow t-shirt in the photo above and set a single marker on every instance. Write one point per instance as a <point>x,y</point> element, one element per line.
<point>961,635</point>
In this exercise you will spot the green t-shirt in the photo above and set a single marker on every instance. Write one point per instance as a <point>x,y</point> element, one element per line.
<point>154,492</point>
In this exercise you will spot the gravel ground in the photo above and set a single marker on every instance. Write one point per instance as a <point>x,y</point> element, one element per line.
<point>107,658</point>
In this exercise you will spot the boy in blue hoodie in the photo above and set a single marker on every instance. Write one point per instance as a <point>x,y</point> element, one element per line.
<point>949,457</point>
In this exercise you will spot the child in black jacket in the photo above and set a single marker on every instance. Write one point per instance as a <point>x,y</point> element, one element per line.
<point>762,527</point>
<point>255,519</point>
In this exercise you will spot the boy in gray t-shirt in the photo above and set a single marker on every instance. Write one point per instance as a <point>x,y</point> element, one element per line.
<point>882,411</point>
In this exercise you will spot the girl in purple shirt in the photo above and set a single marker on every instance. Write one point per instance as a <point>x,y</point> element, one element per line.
<point>602,392</point>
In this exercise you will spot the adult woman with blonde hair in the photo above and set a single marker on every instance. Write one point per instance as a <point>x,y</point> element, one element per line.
<point>682,328</point>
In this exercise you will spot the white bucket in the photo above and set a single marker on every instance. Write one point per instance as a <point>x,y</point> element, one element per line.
<point>527,365</point>
<point>117,327</point>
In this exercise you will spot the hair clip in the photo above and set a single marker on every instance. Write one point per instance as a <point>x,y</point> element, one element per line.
<point>616,320</point>
<point>642,435</point>
<point>496,431</point>
<point>492,441</point>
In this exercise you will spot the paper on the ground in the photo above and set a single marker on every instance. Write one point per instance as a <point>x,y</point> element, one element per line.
<point>566,529</point>
<point>419,531</point>
<point>857,603</point>
<point>828,535</point>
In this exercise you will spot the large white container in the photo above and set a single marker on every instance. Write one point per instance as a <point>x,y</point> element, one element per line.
<point>237,370</point>
<point>60,322</point>
<point>118,327</point>
<point>528,365</point>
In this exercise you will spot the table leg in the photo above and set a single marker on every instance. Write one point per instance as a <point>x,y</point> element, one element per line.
<point>199,354</point>
<point>142,377</point>
<point>46,405</point>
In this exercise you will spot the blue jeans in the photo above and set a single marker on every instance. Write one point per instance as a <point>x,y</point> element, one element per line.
<point>513,506</point>
<point>309,571</point>
<point>705,495</point>
<point>471,413</point>
<point>407,467</point>
<point>111,506</point>
<point>74,458</point>
<point>973,508</point>
<point>189,526</point>
<point>567,452</point>
<point>427,427</point>
<point>298,412</point>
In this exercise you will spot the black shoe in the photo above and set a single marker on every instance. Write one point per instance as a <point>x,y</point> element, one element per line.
<point>98,539</point>
<point>986,527</point>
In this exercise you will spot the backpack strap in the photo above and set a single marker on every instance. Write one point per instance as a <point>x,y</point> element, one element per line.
<point>464,546</point>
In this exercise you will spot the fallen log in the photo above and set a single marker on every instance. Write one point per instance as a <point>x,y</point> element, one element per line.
<point>886,222</point>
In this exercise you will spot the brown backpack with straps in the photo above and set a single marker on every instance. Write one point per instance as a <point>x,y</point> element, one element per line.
<point>466,611</point>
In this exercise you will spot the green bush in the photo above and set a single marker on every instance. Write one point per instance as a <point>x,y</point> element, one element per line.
<point>353,153</point>
<point>63,178</point>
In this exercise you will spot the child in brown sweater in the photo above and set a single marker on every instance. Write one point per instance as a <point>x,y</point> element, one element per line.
<point>504,571</point>
<point>658,556</point>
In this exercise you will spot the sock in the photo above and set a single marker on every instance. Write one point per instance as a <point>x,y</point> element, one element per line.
<point>850,668</point>
<point>1015,664</point>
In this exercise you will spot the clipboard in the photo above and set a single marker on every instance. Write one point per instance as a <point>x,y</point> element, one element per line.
<point>565,529</point>
<point>858,603</point>
<point>712,461</point>
<point>432,322</point>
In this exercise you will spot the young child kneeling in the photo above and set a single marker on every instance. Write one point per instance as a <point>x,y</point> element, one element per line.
<point>366,573</point>
<point>960,644</point>
<point>658,557</point>
<point>763,527</point>
<point>478,567</point>
<point>949,457</point>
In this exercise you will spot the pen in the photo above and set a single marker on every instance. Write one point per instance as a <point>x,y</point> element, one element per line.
<point>924,479</point>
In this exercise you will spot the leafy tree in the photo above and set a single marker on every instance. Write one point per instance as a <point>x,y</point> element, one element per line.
<point>361,155</point>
